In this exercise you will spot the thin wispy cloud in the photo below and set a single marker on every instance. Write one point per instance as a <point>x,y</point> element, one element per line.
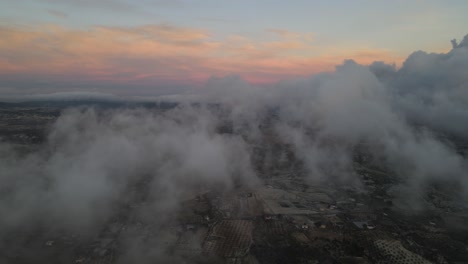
<point>58,14</point>
<point>161,53</point>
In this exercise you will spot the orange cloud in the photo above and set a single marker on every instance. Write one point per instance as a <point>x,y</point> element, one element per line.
<point>162,52</point>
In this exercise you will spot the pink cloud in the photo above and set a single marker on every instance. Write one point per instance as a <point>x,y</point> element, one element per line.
<point>167,53</point>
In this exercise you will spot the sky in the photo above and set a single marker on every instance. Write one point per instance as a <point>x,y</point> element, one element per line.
<point>143,47</point>
<point>258,61</point>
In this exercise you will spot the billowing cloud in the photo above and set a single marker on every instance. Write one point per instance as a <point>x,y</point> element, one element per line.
<point>412,120</point>
<point>432,88</point>
<point>91,157</point>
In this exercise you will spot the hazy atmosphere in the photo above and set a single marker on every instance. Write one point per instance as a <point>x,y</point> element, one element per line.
<point>154,47</point>
<point>158,131</point>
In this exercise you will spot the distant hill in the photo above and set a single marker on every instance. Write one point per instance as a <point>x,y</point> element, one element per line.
<point>91,102</point>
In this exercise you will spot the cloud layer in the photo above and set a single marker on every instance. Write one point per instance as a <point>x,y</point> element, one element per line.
<point>409,122</point>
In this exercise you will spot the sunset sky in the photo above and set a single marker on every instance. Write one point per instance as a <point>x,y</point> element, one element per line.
<point>156,47</point>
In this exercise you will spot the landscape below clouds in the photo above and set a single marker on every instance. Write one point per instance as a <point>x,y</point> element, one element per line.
<point>410,122</point>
